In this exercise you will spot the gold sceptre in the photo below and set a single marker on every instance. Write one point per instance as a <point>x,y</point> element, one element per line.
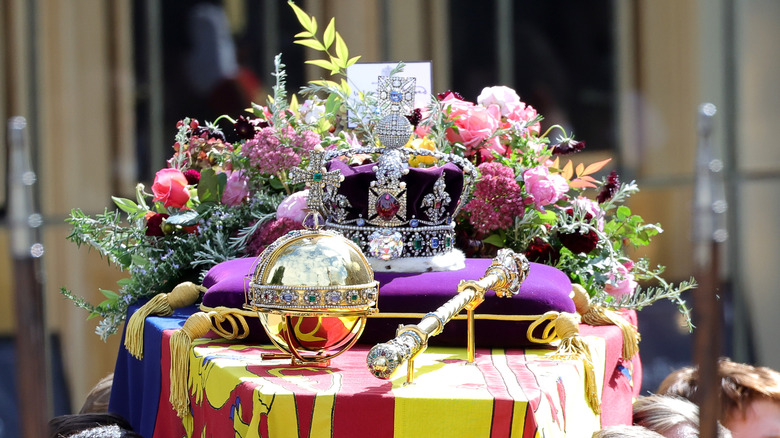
<point>504,276</point>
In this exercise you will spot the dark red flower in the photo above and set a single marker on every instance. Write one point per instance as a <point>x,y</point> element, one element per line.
<point>209,131</point>
<point>578,243</point>
<point>193,176</point>
<point>154,224</point>
<point>415,117</point>
<point>540,251</point>
<point>244,128</point>
<point>568,146</point>
<point>444,95</point>
<point>609,188</point>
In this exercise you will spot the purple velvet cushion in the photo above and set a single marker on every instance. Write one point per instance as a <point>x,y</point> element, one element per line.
<point>545,289</point>
<point>225,283</point>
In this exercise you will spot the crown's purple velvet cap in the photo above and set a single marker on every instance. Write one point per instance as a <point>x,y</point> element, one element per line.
<point>419,182</point>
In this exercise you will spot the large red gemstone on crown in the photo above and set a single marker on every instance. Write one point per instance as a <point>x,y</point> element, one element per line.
<point>387,206</point>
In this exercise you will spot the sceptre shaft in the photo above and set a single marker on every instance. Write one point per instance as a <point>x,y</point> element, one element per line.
<point>504,276</point>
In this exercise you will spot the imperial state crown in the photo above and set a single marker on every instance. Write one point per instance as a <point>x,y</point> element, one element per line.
<point>402,217</point>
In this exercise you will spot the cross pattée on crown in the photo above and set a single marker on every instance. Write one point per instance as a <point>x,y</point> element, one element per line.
<point>317,178</point>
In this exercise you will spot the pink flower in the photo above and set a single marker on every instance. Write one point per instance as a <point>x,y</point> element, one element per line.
<point>268,233</point>
<point>475,125</point>
<point>496,201</point>
<point>270,155</point>
<point>519,112</point>
<point>170,187</point>
<point>621,281</point>
<point>499,95</point>
<point>592,210</point>
<point>236,189</point>
<point>293,207</point>
<point>544,188</point>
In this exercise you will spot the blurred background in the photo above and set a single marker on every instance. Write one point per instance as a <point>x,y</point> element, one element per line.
<point>101,85</point>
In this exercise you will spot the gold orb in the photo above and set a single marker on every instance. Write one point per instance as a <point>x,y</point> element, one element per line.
<point>313,291</point>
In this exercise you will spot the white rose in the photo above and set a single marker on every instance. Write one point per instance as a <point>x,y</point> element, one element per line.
<point>498,95</point>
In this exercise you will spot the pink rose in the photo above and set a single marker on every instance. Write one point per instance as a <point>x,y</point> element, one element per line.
<point>544,188</point>
<point>293,207</point>
<point>236,189</point>
<point>475,124</point>
<point>621,281</point>
<point>499,95</point>
<point>519,112</point>
<point>170,187</point>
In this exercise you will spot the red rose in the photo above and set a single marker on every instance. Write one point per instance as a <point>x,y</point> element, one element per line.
<point>170,187</point>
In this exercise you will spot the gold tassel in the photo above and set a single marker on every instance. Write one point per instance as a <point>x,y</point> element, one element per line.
<point>196,326</point>
<point>184,294</point>
<point>594,314</point>
<point>573,347</point>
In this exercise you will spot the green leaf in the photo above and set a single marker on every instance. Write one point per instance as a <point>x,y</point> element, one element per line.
<point>124,260</point>
<point>276,184</point>
<point>138,260</point>
<point>322,63</point>
<point>312,43</point>
<point>495,240</point>
<point>623,213</point>
<point>324,83</point>
<point>340,63</point>
<point>211,186</point>
<point>304,34</point>
<point>111,295</point>
<point>332,104</point>
<point>313,24</point>
<point>184,219</point>
<point>125,205</point>
<point>330,33</point>
<point>353,60</point>
<point>342,52</point>
<point>303,17</point>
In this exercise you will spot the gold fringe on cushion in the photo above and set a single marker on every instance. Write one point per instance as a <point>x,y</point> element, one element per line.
<point>573,347</point>
<point>196,326</point>
<point>594,314</point>
<point>184,294</point>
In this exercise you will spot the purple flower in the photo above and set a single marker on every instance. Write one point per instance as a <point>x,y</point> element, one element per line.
<point>236,189</point>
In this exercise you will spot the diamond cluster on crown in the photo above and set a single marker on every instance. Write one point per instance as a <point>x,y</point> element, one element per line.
<point>388,231</point>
